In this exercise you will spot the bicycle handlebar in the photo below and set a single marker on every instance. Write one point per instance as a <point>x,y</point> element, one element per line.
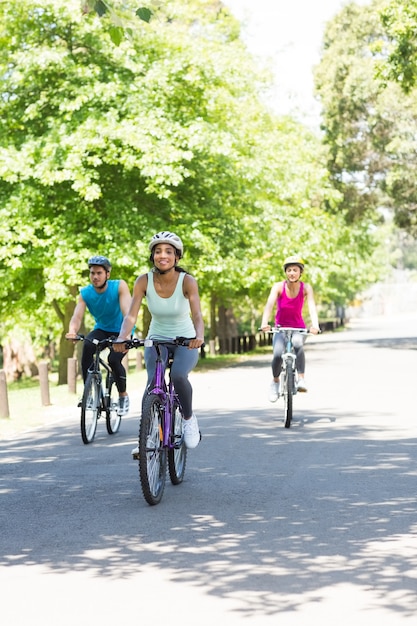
<point>134,342</point>
<point>99,343</point>
<point>281,329</point>
<point>147,343</point>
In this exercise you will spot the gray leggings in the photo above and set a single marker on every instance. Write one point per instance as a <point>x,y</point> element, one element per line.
<point>278,348</point>
<point>184,360</point>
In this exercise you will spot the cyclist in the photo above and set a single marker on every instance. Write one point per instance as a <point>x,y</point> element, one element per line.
<point>108,302</point>
<point>171,294</point>
<point>289,296</point>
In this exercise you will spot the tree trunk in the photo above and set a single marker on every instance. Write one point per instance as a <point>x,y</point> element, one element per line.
<point>227,327</point>
<point>66,348</point>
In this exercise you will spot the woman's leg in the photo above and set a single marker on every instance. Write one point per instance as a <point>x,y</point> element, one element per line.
<point>184,361</point>
<point>278,347</point>
<point>298,341</point>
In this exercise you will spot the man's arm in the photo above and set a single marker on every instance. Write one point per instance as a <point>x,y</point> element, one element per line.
<point>76,319</point>
<point>125,298</point>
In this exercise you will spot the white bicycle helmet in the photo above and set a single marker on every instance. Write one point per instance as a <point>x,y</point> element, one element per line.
<point>294,260</point>
<point>167,237</point>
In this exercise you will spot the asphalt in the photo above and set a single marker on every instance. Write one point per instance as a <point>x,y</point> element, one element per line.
<point>312,524</point>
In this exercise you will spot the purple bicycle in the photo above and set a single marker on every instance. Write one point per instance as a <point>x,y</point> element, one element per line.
<point>161,440</point>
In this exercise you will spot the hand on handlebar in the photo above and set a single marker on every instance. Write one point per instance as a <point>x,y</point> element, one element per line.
<point>119,345</point>
<point>266,328</point>
<point>314,331</point>
<point>195,343</point>
<point>74,337</point>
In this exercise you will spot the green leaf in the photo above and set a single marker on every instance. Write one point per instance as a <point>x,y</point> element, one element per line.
<point>116,34</point>
<point>144,14</point>
<point>100,8</point>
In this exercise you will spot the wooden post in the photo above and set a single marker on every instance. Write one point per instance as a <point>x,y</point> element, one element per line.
<point>4,399</point>
<point>72,364</point>
<point>44,382</point>
<point>212,350</point>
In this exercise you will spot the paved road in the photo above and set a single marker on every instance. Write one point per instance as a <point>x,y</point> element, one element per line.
<point>316,524</point>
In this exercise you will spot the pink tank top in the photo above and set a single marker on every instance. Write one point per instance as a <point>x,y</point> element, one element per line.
<point>289,310</point>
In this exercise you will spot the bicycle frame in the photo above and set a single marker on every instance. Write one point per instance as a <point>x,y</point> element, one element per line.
<point>161,440</point>
<point>288,375</point>
<point>167,394</point>
<point>98,398</point>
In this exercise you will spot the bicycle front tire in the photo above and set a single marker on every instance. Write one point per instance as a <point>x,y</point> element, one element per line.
<point>288,394</point>
<point>177,456</point>
<point>152,454</point>
<point>90,406</point>
<point>113,418</point>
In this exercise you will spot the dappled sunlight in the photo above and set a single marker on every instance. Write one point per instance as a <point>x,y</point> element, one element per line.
<point>220,544</point>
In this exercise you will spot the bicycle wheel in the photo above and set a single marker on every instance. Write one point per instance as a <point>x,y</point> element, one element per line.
<point>152,455</point>
<point>177,456</point>
<point>288,394</point>
<point>113,418</point>
<point>90,406</point>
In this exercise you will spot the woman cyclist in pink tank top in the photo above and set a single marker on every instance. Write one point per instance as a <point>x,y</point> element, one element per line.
<point>289,297</point>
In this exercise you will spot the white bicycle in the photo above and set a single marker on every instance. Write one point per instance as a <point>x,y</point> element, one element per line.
<point>288,377</point>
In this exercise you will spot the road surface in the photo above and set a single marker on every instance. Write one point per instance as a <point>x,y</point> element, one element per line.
<point>315,524</point>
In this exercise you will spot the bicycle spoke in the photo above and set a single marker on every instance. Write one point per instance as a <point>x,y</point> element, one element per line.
<point>177,456</point>
<point>113,418</point>
<point>152,456</point>
<point>90,408</point>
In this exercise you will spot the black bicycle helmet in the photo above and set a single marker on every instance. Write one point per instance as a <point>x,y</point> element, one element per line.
<point>100,260</point>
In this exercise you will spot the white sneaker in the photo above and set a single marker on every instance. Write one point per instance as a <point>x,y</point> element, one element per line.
<point>191,432</point>
<point>274,392</point>
<point>135,453</point>
<point>301,385</point>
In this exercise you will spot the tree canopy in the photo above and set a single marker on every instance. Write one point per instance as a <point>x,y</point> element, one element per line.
<point>102,145</point>
<point>399,19</point>
<point>368,124</point>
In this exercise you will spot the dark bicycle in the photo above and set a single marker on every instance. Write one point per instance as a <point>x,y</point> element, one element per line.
<point>289,376</point>
<point>161,439</point>
<point>99,396</point>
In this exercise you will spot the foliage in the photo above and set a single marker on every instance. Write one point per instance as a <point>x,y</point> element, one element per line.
<point>399,18</point>
<point>102,145</point>
<point>368,126</point>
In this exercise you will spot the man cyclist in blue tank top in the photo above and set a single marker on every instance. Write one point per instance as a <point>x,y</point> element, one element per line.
<point>108,302</point>
<point>289,296</point>
<point>174,303</point>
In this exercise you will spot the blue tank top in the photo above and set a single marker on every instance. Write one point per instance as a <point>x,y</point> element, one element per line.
<point>104,307</point>
<point>170,316</point>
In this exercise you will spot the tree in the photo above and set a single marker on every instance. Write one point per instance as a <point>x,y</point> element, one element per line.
<point>103,145</point>
<point>368,126</point>
<point>399,18</point>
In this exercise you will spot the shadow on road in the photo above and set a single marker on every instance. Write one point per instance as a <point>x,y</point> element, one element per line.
<point>269,514</point>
